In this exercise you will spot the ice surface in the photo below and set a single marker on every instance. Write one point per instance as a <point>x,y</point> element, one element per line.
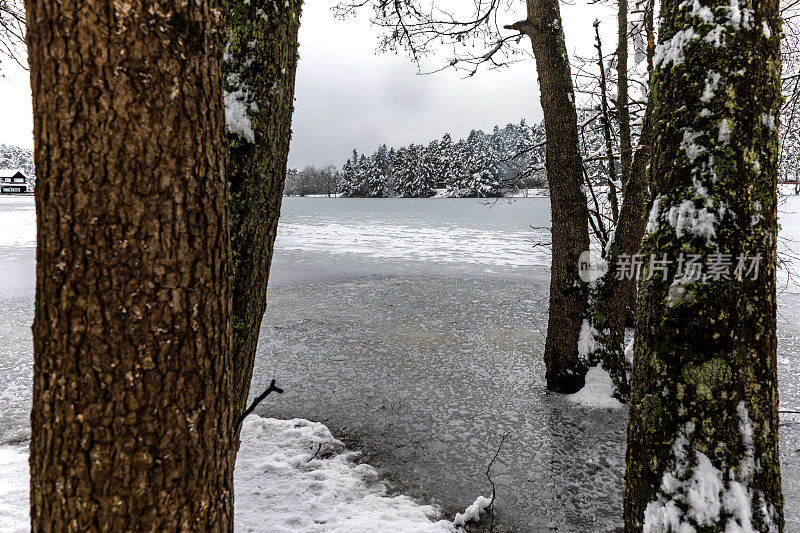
<point>17,222</point>
<point>402,235</point>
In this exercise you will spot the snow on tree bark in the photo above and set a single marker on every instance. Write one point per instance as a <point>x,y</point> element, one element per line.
<point>569,214</point>
<point>132,357</point>
<point>703,431</point>
<point>259,67</point>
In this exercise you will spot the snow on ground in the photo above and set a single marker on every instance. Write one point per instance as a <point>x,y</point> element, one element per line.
<point>14,480</point>
<point>282,480</point>
<point>597,394</point>
<point>291,474</point>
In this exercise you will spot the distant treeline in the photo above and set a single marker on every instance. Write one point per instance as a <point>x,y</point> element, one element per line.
<point>484,165</point>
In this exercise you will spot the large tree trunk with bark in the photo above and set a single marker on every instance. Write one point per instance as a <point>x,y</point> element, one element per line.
<point>260,66</point>
<point>132,359</point>
<point>703,432</point>
<point>568,293</point>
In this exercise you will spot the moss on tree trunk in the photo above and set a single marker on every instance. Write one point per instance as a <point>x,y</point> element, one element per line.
<point>260,66</point>
<point>704,389</point>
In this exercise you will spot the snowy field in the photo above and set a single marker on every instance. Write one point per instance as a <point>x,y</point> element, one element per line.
<point>413,329</point>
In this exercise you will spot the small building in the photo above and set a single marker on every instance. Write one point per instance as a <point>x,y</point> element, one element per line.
<point>12,181</point>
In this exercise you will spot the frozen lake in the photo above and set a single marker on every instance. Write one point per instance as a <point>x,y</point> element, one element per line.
<point>414,330</point>
<point>326,236</point>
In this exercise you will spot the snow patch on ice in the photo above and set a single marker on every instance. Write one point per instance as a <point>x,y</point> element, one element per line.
<point>417,242</point>
<point>473,512</point>
<point>18,220</point>
<point>598,391</point>
<point>14,514</point>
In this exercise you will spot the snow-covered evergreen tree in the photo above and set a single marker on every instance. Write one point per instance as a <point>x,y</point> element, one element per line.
<point>348,185</point>
<point>484,169</point>
<point>374,175</point>
<point>414,180</point>
<point>483,165</point>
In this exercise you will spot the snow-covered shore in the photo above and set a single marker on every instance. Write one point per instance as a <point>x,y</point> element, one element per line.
<point>291,474</point>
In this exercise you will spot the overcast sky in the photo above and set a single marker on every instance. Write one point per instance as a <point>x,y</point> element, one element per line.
<point>348,96</point>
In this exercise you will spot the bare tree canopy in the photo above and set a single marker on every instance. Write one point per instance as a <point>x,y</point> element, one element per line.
<point>475,33</point>
<point>12,29</point>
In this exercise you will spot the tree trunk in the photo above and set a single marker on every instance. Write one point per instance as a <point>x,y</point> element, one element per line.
<point>626,152</point>
<point>605,121</point>
<point>610,298</point>
<point>703,431</point>
<point>568,293</point>
<point>132,328</point>
<point>260,66</point>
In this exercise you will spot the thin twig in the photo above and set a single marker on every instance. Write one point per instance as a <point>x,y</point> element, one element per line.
<point>272,388</point>
<point>489,477</point>
<point>319,447</point>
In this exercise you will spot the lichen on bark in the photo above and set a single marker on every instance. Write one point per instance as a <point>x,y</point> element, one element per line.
<point>261,54</point>
<point>705,365</point>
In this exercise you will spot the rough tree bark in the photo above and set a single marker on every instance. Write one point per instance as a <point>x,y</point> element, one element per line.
<point>132,328</point>
<point>703,430</point>
<point>565,370</point>
<point>260,66</point>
